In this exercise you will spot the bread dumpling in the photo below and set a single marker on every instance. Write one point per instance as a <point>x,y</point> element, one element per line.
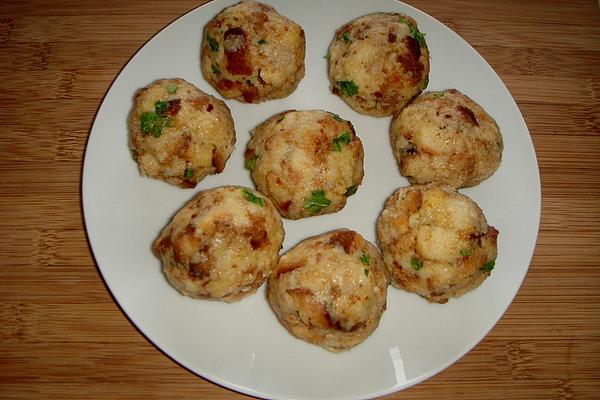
<point>178,133</point>
<point>251,53</point>
<point>307,162</point>
<point>378,63</point>
<point>330,290</point>
<point>222,245</point>
<point>435,242</point>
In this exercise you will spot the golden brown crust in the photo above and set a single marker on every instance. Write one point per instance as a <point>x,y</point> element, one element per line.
<point>330,290</point>
<point>222,245</point>
<point>251,53</point>
<point>435,242</point>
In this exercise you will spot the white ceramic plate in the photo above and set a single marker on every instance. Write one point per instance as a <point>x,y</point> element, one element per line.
<point>242,346</point>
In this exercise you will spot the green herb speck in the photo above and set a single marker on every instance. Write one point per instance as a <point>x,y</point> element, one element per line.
<point>262,41</point>
<point>161,107</point>
<point>344,138</point>
<point>348,88</point>
<point>337,117</point>
<point>437,95</point>
<point>418,36</point>
<point>171,88</point>
<point>466,253</point>
<point>251,162</point>
<point>404,20</point>
<point>189,173</point>
<point>346,37</point>
<point>316,201</point>
<point>350,190</point>
<point>213,44</point>
<point>366,270</point>
<point>415,33</point>
<point>151,123</point>
<point>365,259</point>
<point>252,198</point>
<point>416,263</point>
<point>215,69</point>
<point>488,266</point>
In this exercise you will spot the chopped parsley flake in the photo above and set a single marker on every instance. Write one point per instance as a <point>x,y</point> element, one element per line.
<point>281,118</point>
<point>415,33</point>
<point>348,88</point>
<point>262,41</point>
<point>350,190</point>
<point>426,82</point>
<point>252,198</point>
<point>214,69</point>
<point>416,263</point>
<point>366,270</point>
<point>466,253</point>
<point>488,266</point>
<point>418,36</point>
<point>189,173</point>
<point>344,138</point>
<point>365,259</point>
<point>337,117</point>
<point>316,202</point>
<point>327,56</point>
<point>437,95</point>
<point>214,45</point>
<point>161,107</point>
<point>171,88</point>
<point>251,162</point>
<point>346,37</point>
<point>151,123</point>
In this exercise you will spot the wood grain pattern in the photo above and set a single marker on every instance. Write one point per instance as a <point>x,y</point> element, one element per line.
<point>63,336</point>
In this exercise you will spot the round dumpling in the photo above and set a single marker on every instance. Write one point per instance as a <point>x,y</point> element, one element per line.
<point>378,63</point>
<point>307,162</point>
<point>178,133</point>
<point>221,245</point>
<point>251,53</point>
<point>435,242</point>
<point>447,138</point>
<point>330,290</point>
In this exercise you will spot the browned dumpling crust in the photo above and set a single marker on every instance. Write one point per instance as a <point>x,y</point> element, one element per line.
<point>330,290</point>
<point>222,245</point>
<point>435,242</point>
<point>251,53</point>
<point>378,63</point>
<point>445,137</point>
<point>307,162</point>
<point>178,133</point>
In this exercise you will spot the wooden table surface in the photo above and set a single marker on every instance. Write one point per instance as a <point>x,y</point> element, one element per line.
<point>63,336</point>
